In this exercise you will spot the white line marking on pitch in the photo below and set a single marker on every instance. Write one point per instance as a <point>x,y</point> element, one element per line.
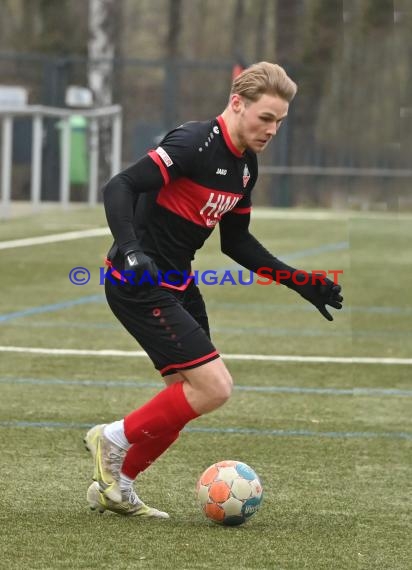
<point>258,213</point>
<point>260,357</point>
<point>54,238</point>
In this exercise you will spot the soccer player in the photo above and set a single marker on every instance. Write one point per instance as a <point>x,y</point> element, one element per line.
<point>160,211</point>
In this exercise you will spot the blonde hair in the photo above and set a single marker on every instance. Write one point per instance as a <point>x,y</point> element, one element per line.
<point>264,78</point>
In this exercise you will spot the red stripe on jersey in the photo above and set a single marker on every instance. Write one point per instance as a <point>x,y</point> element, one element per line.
<point>227,138</point>
<point>193,363</point>
<point>201,205</point>
<point>242,210</point>
<point>156,158</point>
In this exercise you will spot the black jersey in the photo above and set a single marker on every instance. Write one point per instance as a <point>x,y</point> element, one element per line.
<point>204,178</point>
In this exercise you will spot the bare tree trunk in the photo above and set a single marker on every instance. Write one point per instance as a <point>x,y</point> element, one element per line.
<point>237,39</point>
<point>261,30</point>
<point>172,72</point>
<point>288,18</point>
<point>101,48</point>
<point>175,25</point>
<point>101,51</point>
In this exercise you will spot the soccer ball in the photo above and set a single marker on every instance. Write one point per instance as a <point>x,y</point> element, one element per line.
<point>229,492</point>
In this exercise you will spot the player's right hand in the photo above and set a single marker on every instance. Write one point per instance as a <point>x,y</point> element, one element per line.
<point>140,269</point>
<point>321,293</point>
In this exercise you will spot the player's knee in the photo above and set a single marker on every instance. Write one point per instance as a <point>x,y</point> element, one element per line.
<point>220,390</point>
<point>209,387</point>
<point>222,393</point>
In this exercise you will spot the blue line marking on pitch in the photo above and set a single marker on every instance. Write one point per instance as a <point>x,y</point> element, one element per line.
<point>65,324</point>
<point>51,308</point>
<point>264,307</point>
<point>257,331</point>
<point>264,389</point>
<point>329,391</point>
<point>317,250</point>
<point>275,332</point>
<point>302,433</point>
<point>383,310</point>
<point>232,431</point>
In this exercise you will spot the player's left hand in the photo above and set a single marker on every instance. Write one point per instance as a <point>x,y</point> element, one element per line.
<point>321,294</point>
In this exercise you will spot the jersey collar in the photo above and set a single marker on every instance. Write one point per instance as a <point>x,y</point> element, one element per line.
<point>227,138</point>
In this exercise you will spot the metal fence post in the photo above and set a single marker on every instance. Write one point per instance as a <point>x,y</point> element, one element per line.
<point>6,156</point>
<point>65,163</point>
<point>94,161</point>
<point>36,156</point>
<point>116,143</point>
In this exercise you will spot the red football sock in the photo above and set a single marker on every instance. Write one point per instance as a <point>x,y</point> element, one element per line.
<point>141,455</point>
<point>167,413</point>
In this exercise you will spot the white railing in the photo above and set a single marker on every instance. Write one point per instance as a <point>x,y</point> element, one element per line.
<point>338,171</point>
<point>38,113</point>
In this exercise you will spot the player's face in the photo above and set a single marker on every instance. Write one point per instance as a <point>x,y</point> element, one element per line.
<point>259,121</point>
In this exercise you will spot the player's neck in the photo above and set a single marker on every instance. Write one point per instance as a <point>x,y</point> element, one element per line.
<point>231,126</point>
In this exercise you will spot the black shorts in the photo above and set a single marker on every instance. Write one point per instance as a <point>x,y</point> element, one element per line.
<point>170,325</point>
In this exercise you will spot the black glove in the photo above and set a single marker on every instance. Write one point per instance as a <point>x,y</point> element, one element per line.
<point>140,269</point>
<point>318,293</point>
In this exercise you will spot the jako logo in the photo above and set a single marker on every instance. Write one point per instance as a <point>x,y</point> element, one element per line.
<point>221,171</point>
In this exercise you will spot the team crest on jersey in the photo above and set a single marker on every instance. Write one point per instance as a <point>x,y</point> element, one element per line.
<point>246,176</point>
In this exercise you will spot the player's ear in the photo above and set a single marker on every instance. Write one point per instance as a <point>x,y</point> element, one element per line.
<point>236,102</point>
